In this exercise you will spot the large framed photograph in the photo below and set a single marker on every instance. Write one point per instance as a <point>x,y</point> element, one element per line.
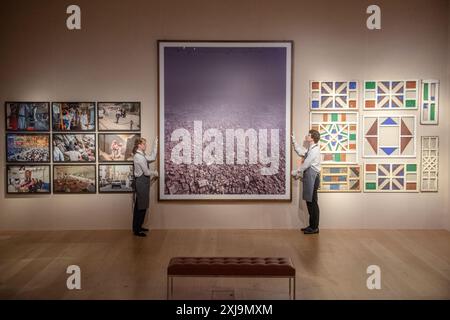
<point>74,147</point>
<point>73,116</point>
<point>115,178</point>
<point>225,120</point>
<point>119,116</point>
<point>27,116</point>
<point>28,179</point>
<point>27,147</point>
<point>116,146</point>
<point>74,179</point>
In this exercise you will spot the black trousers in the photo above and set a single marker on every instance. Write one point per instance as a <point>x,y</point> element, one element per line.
<point>138,218</point>
<point>313,206</point>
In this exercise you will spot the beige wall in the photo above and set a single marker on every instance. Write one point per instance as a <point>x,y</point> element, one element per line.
<point>448,119</point>
<point>114,58</point>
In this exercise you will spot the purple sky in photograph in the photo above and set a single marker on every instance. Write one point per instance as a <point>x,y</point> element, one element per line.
<point>213,76</point>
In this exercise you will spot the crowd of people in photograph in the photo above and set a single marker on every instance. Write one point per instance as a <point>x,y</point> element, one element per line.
<point>74,148</point>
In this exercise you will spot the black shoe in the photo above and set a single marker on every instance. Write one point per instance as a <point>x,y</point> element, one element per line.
<point>303,229</point>
<point>311,231</point>
<point>145,229</point>
<point>140,234</point>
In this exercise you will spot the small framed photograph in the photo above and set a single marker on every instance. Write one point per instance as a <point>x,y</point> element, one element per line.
<point>119,116</point>
<point>74,147</point>
<point>28,179</point>
<point>73,116</point>
<point>27,147</point>
<point>27,116</point>
<point>115,178</point>
<point>116,146</point>
<point>74,179</point>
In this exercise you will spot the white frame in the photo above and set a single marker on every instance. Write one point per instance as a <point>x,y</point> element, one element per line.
<point>334,99</point>
<point>349,123</point>
<point>425,174</point>
<point>347,166</point>
<point>417,98</point>
<point>399,138</point>
<point>423,101</point>
<point>277,44</point>
<point>377,190</point>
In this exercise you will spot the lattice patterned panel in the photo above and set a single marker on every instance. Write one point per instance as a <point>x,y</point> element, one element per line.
<point>340,178</point>
<point>389,136</point>
<point>430,164</point>
<point>333,95</point>
<point>390,177</point>
<point>338,135</point>
<point>429,111</point>
<point>391,95</point>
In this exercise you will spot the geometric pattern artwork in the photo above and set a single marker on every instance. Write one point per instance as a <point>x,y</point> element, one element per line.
<point>389,136</point>
<point>391,95</point>
<point>429,107</point>
<point>332,95</point>
<point>340,178</point>
<point>390,177</point>
<point>338,136</point>
<point>430,164</point>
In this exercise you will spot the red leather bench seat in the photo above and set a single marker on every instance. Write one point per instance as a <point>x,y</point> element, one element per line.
<point>231,266</point>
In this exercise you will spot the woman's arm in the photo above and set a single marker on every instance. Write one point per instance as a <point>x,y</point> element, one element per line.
<point>152,156</point>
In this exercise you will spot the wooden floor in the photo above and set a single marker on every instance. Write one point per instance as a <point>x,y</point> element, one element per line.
<point>332,265</point>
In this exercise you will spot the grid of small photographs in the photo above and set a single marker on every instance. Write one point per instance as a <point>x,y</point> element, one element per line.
<point>70,147</point>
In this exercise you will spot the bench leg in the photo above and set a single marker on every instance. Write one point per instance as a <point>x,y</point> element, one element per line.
<point>169,288</point>
<point>290,288</point>
<point>293,293</point>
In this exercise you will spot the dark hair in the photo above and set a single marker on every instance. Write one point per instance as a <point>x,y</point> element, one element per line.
<point>315,135</point>
<point>137,142</point>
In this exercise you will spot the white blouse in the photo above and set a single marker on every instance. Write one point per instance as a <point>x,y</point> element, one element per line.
<point>141,161</point>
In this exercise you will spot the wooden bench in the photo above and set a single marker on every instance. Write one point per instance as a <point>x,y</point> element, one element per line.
<point>233,267</point>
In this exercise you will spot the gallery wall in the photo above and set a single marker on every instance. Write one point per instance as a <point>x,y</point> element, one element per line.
<point>114,58</point>
<point>448,120</point>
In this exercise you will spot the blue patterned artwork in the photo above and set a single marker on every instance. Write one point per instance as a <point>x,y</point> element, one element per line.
<point>389,136</point>
<point>338,136</point>
<point>340,178</point>
<point>391,95</point>
<point>390,177</point>
<point>333,95</point>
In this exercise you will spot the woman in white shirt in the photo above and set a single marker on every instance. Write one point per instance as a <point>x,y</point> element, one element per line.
<point>142,177</point>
